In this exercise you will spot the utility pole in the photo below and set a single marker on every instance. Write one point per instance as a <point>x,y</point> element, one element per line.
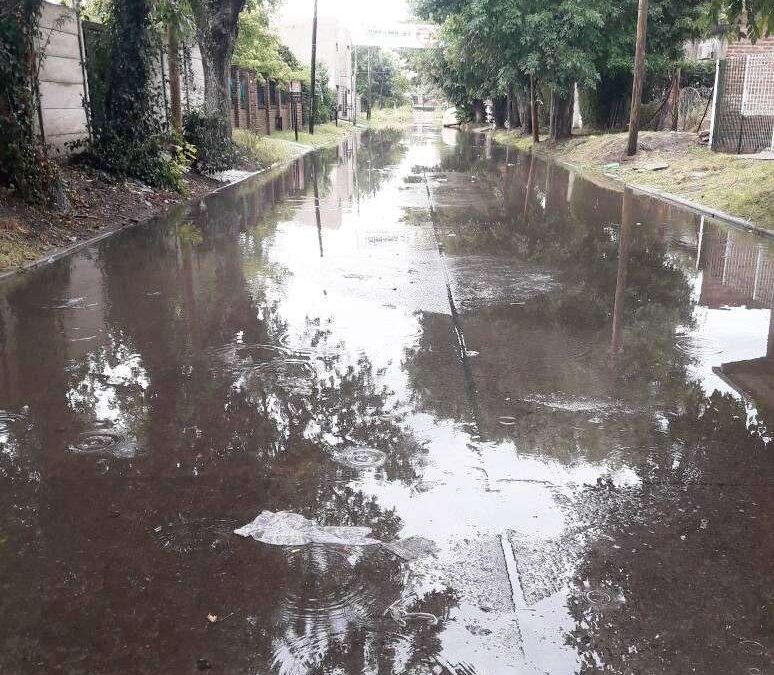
<point>354,87</point>
<point>368,111</point>
<point>639,72</point>
<point>533,110</point>
<point>313,100</point>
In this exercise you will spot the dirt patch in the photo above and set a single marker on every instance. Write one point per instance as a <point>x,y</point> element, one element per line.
<point>97,201</point>
<point>612,147</point>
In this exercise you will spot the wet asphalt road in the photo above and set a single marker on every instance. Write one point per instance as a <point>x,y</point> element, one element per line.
<point>564,390</point>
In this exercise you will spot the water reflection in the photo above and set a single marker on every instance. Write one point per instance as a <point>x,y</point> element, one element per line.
<point>571,401</point>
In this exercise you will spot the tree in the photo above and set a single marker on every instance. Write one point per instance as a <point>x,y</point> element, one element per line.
<point>488,44</point>
<point>217,24</point>
<point>257,47</point>
<point>23,162</point>
<point>742,18</point>
<point>389,84</point>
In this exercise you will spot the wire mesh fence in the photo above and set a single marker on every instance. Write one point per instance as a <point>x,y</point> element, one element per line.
<point>743,120</point>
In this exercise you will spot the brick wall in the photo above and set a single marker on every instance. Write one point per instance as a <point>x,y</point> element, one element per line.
<point>745,47</point>
<point>251,111</point>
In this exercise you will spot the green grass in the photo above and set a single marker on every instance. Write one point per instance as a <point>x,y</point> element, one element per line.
<point>324,134</point>
<point>739,186</point>
<point>281,146</point>
<point>398,118</point>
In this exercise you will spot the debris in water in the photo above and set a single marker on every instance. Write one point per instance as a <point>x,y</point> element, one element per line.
<point>475,629</point>
<point>360,457</point>
<point>412,548</point>
<point>284,528</point>
<point>203,664</point>
<point>212,618</point>
<point>507,420</point>
<point>401,616</point>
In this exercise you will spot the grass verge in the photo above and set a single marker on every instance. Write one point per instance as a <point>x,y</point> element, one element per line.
<point>265,151</point>
<point>673,163</point>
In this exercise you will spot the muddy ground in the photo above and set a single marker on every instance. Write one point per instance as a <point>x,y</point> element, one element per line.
<point>97,200</point>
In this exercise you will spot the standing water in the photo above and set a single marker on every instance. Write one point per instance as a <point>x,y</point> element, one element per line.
<point>510,420</point>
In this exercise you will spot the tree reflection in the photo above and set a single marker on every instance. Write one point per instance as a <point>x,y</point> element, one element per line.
<point>192,364</point>
<point>537,286</point>
<point>672,549</point>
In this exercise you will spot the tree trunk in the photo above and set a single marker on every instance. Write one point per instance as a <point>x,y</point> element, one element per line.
<point>676,104</point>
<point>173,58</point>
<point>561,115</point>
<point>533,110</point>
<point>512,107</point>
<point>639,76</point>
<point>216,30</point>
<point>129,109</point>
<point>523,106</point>
<point>478,110</point>
<point>500,109</point>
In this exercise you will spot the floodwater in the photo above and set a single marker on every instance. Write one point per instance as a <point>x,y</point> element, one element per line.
<point>549,400</point>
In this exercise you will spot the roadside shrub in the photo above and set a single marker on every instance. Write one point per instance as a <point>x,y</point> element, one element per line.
<point>215,151</point>
<point>160,160</point>
<point>128,136</point>
<point>23,162</point>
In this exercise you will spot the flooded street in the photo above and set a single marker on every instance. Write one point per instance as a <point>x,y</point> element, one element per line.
<point>518,422</point>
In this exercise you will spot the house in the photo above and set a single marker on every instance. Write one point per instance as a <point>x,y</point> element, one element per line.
<point>261,104</point>
<point>334,49</point>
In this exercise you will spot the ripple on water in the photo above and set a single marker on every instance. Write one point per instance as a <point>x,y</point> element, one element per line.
<point>7,418</point>
<point>102,442</point>
<point>598,596</point>
<point>325,600</point>
<point>360,457</point>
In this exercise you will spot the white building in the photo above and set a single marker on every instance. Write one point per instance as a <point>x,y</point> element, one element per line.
<point>334,49</point>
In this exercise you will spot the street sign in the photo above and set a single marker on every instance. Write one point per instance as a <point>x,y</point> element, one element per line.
<point>396,36</point>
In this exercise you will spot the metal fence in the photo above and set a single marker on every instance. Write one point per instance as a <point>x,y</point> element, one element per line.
<point>743,111</point>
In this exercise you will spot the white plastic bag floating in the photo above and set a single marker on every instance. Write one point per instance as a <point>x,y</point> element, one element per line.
<point>284,528</point>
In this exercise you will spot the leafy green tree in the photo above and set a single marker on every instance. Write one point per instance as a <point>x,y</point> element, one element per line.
<point>258,48</point>
<point>488,45</point>
<point>388,81</point>
<point>742,18</point>
<point>23,163</point>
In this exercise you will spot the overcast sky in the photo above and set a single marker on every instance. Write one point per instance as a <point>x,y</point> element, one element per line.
<point>350,11</point>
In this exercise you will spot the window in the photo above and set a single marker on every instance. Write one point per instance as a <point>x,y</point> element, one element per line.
<point>272,93</point>
<point>262,95</point>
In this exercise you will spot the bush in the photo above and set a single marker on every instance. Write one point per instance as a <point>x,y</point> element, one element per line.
<point>215,151</point>
<point>159,160</point>
<point>23,161</point>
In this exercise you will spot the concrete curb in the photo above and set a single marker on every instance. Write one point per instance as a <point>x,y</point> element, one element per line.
<point>62,252</point>
<point>735,221</point>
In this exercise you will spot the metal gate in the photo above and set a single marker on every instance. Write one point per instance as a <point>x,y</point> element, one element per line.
<point>743,110</point>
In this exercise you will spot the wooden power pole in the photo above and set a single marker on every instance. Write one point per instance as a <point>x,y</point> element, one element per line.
<point>354,87</point>
<point>639,73</point>
<point>533,110</point>
<point>313,98</point>
<point>368,111</point>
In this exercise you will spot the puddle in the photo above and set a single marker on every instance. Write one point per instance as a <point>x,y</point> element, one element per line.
<point>311,377</point>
